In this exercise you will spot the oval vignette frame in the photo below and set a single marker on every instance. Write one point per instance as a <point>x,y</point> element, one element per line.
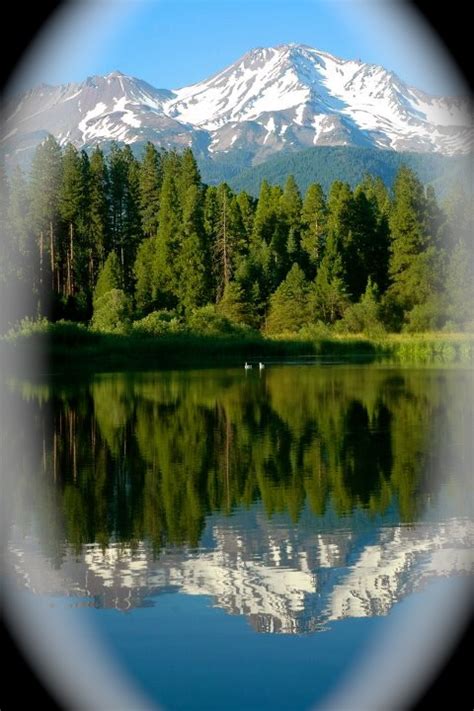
<point>451,32</point>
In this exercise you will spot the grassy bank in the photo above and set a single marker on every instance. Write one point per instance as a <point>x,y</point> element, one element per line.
<point>67,345</point>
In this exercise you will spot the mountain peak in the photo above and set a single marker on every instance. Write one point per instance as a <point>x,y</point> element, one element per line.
<point>114,73</point>
<point>287,97</point>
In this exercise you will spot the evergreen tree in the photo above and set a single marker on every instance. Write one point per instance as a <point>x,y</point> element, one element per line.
<point>290,216</point>
<point>313,226</point>
<point>247,211</point>
<point>151,178</point>
<point>98,213</point>
<point>366,252</point>
<point>376,192</point>
<point>364,317</point>
<point>460,287</point>
<point>45,184</point>
<point>235,306</point>
<point>378,246</point>
<point>188,175</point>
<point>228,238</point>
<point>118,166</point>
<point>112,312</point>
<point>71,209</point>
<point>340,226</point>
<point>266,216</point>
<point>329,295</point>
<point>414,262</point>
<point>165,276</point>
<point>289,304</point>
<point>110,276</point>
<point>193,258</point>
<point>18,245</point>
<point>132,228</point>
<point>436,219</point>
<point>145,291</point>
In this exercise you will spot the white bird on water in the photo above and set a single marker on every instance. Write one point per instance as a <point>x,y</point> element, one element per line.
<point>247,366</point>
<point>261,366</point>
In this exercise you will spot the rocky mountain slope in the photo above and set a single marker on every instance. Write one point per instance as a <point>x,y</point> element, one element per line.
<point>275,99</point>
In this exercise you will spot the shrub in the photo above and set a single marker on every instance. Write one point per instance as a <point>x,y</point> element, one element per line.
<point>429,316</point>
<point>363,317</point>
<point>159,323</point>
<point>112,312</point>
<point>27,327</point>
<point>207,321</point>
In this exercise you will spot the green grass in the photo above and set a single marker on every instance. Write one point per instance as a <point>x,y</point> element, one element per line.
<point>69,345</point>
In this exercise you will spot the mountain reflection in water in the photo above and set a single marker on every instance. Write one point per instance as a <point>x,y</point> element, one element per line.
<point>295,498</point>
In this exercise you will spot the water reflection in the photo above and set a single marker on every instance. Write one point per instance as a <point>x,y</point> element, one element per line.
<point>294,498</point>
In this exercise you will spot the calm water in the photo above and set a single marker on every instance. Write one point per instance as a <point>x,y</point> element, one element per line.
<point>239,539</point>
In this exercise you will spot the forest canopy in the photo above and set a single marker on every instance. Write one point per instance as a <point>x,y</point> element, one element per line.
<point>123,243</point>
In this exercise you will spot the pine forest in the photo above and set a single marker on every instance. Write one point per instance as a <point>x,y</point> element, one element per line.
<point>127,244</point>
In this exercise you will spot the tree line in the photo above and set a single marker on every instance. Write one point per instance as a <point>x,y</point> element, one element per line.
<point>116,239</point>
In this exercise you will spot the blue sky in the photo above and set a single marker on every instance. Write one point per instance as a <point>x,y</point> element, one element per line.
<point>171,43</point>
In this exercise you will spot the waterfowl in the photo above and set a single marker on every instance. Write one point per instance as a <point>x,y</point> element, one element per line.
<point>247,366</point>
<point>261,366</point>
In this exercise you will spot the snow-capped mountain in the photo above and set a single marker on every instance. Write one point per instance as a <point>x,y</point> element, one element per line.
<point>279,98</point>
<point>283,580</point>
<point>113,107</point>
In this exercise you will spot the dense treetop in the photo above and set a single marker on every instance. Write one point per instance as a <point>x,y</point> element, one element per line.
<point>118,241</point>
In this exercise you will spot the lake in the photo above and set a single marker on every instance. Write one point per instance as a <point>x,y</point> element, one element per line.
<point>240,539</point>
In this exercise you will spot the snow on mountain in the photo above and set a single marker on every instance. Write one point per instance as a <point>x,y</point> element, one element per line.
<point>299,95</point>
<point>283,580</point>
<point>113,107</point>
<point>286,97</point>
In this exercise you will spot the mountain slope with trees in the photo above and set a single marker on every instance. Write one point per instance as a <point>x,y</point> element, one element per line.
<point>325,164</point>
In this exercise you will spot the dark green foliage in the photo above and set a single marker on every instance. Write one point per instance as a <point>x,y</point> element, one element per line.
<point>415,263</point>
<point>45,185</point>
<point>365,316</point>
<point>236,307</point>
<point>151,178</point>
<point>165,274</point>
<point>193,258</point>
<point>72,253</point>
<point>314,215</point>
<point>329,295</point>
<point>325,164</point>
<point>289,304</point>
<point>341,442</point>
<point>110,276</point>
<point>99,225</point>
<point>148,227</point>
<point>112,312</point>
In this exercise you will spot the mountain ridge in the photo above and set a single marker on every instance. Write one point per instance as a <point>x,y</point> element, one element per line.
<point>271,100</point>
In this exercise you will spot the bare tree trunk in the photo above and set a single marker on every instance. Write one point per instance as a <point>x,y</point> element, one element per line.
<point>71,247</point>
<point>52,254</point>
<point>68,279</point>
<point>41,258</point>
<point>41,247</point>
<point>91,270</point>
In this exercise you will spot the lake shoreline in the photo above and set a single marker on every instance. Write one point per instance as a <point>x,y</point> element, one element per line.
<point>71,345</point>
